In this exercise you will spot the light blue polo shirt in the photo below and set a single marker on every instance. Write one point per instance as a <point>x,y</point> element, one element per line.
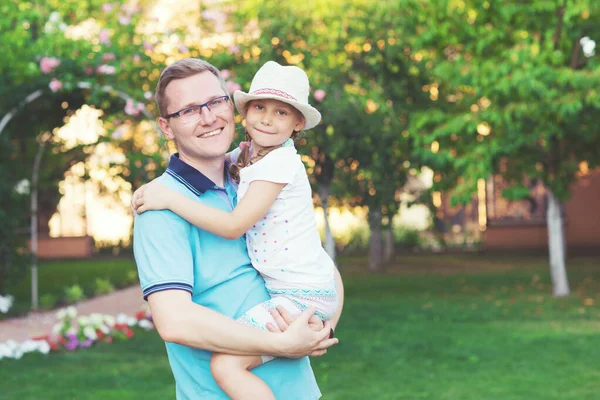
<point>173,254</point>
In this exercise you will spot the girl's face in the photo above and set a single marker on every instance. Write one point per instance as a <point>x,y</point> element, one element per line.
<point>271,122</point>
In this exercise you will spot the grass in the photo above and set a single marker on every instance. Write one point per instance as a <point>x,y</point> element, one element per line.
<point>463,327</point>
<point>55,276</point>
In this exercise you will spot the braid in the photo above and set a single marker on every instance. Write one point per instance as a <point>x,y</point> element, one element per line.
<point>242,161</point>
<point>245,158</point>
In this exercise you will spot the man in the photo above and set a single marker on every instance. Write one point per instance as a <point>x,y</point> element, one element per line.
<point>197,283</point>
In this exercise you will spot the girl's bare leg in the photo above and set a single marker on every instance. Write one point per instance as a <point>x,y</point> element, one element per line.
<point>232,374</point>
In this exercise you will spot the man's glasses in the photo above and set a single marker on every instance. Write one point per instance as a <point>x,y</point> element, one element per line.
<point>192,114</point>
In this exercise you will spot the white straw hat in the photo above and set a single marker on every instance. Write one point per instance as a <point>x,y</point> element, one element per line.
<point>288,84</point>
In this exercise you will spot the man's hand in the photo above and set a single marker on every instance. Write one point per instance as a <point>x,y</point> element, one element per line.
<point>151,196</point>
<point>283,319</point>
<point>303,335</point>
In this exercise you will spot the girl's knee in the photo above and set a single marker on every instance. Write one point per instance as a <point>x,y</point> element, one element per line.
<point>220,364</point>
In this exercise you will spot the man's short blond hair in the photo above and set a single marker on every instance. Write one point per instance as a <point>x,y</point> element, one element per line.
<point>180,70</point>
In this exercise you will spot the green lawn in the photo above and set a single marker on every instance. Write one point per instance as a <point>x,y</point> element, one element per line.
<point>55,276</point>
<point>432,327</point>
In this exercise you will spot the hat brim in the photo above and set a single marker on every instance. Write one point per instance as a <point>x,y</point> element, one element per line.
<point>311,115</point>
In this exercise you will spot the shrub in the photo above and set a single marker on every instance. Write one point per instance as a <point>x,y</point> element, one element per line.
<point>48,301</point>
<point>73,294</point>
<point>103,286</point>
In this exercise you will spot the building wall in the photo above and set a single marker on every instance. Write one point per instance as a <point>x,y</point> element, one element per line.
<point>65,247</point>
<point>582,211</point>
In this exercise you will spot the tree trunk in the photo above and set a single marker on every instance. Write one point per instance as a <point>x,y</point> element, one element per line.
<point>34,224</point>
<point>375,242</point>
<point>329,239</point>
<point>388,249</point>
<point>556,246</point>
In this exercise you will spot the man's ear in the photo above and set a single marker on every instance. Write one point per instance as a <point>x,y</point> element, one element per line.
<point>166,128</point>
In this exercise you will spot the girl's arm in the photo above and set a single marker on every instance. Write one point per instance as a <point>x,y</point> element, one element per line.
<point>255,204</point>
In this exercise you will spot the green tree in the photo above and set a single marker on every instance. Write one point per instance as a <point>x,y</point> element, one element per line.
<point>364,82</point>
<point>517,85</point>
<point>58,56</point>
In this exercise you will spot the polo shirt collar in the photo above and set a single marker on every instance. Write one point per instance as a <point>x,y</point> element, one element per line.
<point>189,176</point>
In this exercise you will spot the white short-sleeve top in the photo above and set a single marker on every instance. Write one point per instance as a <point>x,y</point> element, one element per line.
<point>284,244</point>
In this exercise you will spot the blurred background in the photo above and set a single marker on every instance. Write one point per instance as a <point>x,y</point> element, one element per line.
<point>459,138</point>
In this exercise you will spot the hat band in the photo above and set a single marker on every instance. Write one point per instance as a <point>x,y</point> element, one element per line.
<point>274,92</point>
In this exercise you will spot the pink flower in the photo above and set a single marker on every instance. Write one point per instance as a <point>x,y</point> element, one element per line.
<point>106,57</point>
<point>183,49</point>
<point>107,7</point>
<point>55,85</point>
<point>47,64</point>
<point>130,108</point>
<point>106,69</point>
<point>104,36</point>
<point>89,71</point>
<point>234,49</point>
<point>137,58</point>
<point>319,95</point>
<point>148,46</point>
<point>141,107</point>
<point>225,74</point>
<point>118,133</point>
<point>124,19</point>
<point>232,86</point>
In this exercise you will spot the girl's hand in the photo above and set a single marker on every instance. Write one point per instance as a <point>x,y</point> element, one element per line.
<point>151,196</point>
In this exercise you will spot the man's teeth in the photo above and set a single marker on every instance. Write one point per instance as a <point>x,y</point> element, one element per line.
<point>211,133</point>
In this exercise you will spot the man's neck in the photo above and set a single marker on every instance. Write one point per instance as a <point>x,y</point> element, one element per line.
<point>213,169</point>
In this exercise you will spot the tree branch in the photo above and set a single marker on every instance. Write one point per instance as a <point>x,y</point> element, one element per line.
<point>560,12</point>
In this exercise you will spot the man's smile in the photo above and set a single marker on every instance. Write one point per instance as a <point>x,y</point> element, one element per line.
<point>211,133</point>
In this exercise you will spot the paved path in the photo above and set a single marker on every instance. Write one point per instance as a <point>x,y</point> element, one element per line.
<point>127,301</point>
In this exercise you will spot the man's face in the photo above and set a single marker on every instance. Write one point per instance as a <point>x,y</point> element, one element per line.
<point>210,137</point>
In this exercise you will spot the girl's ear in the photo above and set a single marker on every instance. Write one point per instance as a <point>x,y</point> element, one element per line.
<point>300,124</point>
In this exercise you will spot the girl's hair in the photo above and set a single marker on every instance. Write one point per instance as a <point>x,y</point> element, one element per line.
<point>244,158</point>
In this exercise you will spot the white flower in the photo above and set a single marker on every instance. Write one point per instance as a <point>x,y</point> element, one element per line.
<point>122,318</point>
<point>6,303</point>
<point>22,187</point>
<point>28,346</point>
<point>104,329</point>
<point>109,320</point>
<point>72,331</point>
<point>90,333</point>
<point>83,320</point>
<point>71,312</point>
<point>145,324</point>
<point>54,17</point>
<point>588,46</point>
<point>96,319</point>
<point>43,347</point>
<point>57,328</point>
<point>5,351</point>
<point>17,354</point>
<point>131,321</point>
<point>61,314</point>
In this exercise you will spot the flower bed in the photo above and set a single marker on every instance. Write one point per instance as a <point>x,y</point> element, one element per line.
<point>73,332</point>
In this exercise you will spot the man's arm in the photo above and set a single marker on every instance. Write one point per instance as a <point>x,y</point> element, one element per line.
<point>181,321</point>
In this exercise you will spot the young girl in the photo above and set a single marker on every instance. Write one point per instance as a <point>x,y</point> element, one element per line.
<point>274,211</point>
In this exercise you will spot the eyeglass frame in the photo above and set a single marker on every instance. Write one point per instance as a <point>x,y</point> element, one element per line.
<point>177,114</point>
